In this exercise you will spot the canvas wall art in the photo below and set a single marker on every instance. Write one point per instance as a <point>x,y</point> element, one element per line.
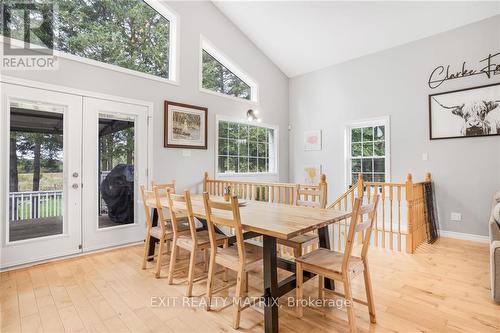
<point>472,112</point>
<point>312,140</point>
<point>185,126</point>
<point>312,173</point>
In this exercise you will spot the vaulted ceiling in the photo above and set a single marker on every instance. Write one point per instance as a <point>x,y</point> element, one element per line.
<point>303,36</point>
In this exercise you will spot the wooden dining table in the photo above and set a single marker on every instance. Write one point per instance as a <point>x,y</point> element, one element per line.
<point>274,221</point>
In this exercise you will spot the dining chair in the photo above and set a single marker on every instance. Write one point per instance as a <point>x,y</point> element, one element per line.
<point>194,242</point>
<point>162,231</point>
<point>240,258</point>
<point>343,266</point>
<point>164,186</point>
<point>305,197</point>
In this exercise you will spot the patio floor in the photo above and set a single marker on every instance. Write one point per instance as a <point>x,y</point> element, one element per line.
<point>34,228</point>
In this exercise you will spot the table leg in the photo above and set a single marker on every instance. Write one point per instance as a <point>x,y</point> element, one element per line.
<point>270,285</point>
<point>152,240</point>
<point>324,242</point>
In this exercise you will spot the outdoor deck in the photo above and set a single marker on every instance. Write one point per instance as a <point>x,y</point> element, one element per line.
<point>42,227</point>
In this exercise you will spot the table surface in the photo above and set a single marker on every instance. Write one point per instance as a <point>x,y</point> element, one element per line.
<point>271,219</point>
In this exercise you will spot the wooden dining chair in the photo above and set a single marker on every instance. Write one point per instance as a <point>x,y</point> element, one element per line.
<point>343,266</point>
<point>240,258</point>
<point>194,242</point>
<point>162,231</point>
<point>164,186</point>
<point>306,197</point>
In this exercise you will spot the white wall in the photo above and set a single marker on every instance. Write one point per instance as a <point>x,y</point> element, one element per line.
<point>195,18</point>
<point>394,82</point>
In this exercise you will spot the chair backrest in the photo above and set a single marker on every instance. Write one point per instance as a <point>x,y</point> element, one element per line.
<point>179,204</point>
<point>228,215</point>
<point>149,202</point>
<point>359,224</point>
<point>164,187</point>
<point>308,197</point>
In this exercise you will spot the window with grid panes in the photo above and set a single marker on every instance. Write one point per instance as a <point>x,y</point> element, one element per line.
<point>368,153</point>
<point>245,148</point>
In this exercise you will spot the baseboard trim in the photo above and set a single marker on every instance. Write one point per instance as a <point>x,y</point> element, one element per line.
<point>464,236</point>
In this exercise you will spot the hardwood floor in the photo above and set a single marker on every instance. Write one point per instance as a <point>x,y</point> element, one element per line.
<point>441,288</point>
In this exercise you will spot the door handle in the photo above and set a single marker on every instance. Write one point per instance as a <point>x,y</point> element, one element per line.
<point>75,186</point>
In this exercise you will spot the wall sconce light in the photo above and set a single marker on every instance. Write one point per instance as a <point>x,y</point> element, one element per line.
<point>252,115</point>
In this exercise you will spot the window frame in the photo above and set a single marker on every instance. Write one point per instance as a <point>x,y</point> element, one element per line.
<point>370,122</point>
<point>275,128</point>
<point>174,50</point>
<point>225,61</point>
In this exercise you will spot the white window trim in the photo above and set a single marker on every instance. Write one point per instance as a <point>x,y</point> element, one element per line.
<point>206,45</point>
<point>275,172</point>
<point>385,121</point>
<point>174,50</point>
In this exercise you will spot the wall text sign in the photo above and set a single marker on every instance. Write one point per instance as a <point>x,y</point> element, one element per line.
<point>490,67</point>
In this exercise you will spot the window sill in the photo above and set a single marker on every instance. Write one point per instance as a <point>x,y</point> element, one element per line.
<point>95,63</point>
<point>235,99</point>
<point>247,174</point>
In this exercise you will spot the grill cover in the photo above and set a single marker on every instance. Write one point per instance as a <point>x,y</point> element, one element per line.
<point>117,191</point>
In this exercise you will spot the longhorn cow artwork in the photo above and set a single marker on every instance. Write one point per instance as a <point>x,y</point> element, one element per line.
<point>465,113</point>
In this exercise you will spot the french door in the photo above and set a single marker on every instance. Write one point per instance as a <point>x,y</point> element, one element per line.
<point>40,174</point>
<point>114,165</point>
<point>70,169</point>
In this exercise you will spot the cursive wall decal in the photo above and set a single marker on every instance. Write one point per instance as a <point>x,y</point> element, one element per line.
<point>441,74</point>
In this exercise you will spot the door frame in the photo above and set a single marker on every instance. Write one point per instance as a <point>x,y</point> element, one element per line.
<point>81,93</point>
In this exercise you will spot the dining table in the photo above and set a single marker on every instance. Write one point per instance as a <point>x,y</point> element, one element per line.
<point>273,221</point>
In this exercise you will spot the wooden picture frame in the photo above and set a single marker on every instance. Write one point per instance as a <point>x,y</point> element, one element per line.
<point>185,126</point>
<point>465,113</point>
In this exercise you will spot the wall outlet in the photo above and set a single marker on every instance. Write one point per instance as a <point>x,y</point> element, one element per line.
<point>425,157</point>
<point>186,153</point>
<point>455,216</point>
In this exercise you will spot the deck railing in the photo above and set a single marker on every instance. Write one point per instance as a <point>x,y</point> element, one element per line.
<point>35,204</point>
<point>401,215</point>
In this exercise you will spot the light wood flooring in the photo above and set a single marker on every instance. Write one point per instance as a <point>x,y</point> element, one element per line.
<point>442,288</point>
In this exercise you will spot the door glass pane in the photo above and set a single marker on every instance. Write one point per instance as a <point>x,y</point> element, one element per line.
<point>116,171</point>
<point>36,158</point>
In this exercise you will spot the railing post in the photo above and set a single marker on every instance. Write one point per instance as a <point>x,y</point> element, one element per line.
<point>205,185</point>
<point>361,187</point>
<point>428,177</point>
<point>323,187</point>
<point>409,213</point>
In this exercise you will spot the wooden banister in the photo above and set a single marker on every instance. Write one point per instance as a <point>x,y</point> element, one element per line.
<point>401,218</point>
<point>400,222</point>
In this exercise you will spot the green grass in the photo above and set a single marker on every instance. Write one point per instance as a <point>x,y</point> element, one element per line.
<point>48,181</point>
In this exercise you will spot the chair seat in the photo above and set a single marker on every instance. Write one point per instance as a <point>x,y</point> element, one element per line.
<point>181,218</point>
<point>300,239</point>
<point>203,239</point>
<point>156,232</point>
<point>228,257</point>
<point>326,261</point>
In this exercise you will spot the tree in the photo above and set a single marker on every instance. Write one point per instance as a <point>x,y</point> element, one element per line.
<point>126,33</point>
<point>218,78</point>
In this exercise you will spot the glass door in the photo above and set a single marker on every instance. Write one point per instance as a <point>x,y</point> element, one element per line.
<point>40,136</point>
<point>115,164</point>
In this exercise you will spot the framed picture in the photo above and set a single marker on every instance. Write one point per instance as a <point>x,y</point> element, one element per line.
<point>312,172</point>
<point>471,112</point>
<point>185,126</point>
<point>312,140</point>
